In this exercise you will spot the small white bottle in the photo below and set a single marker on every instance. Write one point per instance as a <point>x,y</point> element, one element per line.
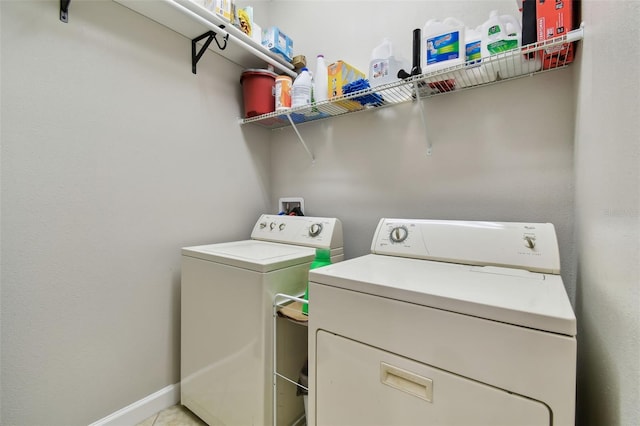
<point>301,89</point>
<point>321,80</point>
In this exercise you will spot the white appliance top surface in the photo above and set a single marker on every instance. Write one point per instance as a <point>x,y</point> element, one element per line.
<point>277,241</point>
<point>259,256</point>
<point>508,295</point>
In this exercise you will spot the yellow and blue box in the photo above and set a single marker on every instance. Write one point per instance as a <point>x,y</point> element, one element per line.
<point>278,42</point>
<point>341,74</point>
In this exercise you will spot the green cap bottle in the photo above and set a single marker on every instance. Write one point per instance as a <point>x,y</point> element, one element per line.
<point>323,258</point>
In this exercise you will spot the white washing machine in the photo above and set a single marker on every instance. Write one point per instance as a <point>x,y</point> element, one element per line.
<point>227,331</point>
<point>445,323</point>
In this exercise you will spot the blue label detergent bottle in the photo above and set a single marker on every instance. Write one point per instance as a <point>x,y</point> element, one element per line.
<point>443,44</point>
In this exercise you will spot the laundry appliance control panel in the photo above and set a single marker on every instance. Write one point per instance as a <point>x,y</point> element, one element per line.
<point>318,232</point>
<point>530,246</point>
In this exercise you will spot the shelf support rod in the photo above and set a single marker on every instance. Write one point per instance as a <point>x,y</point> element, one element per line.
<point>64,10</point>
<point>306,148</point>
<point>422,116</point>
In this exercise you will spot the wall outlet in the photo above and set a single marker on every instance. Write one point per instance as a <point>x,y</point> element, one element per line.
<point>287,204</point>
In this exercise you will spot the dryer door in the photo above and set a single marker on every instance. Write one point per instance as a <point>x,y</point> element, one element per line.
<point>357,384</point>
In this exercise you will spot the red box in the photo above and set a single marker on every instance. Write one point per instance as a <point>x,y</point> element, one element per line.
<point>553,18</point>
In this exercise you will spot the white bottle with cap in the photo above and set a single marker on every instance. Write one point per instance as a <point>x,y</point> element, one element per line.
<point>301,89</point>
<point>321,80</point>
<point>384,66</point>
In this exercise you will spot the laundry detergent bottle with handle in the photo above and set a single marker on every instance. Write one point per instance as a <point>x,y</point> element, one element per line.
<point>323,258</point>
<point>301,89</point>
<point>496,37</point>
<point>384,66</point>
<point>443,44</point>
<point>474,73</point>
<point>501,35</point>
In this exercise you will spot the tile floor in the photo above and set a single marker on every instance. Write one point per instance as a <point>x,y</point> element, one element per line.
<point>176,415</point>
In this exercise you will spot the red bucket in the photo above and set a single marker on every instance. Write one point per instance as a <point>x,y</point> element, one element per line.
<point>258,92</point>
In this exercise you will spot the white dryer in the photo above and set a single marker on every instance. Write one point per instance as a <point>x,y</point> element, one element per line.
<point>227,323</point>
<point>445,323</point>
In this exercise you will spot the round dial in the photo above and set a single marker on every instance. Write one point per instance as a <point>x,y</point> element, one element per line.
<point>398,234</point>
<point>272,225</point>
<point>263,225</point>
<point>315,229</point>
<point>281,226</point>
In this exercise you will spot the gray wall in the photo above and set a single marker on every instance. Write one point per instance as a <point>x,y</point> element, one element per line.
<point>114,156</point>
<point>608,216</point>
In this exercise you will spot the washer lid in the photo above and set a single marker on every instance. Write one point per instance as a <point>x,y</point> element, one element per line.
<point>259,256</point>
<point>508,295</point>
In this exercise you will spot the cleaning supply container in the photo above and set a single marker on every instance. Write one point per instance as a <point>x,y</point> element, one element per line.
<point>323,258</point>
<point>283,93</point>
<point>475,72</point>
<point>384,66</point>
<point>496,37</point>
<point>321,80</point>
<point>442,44</point>
<point>301,89</point>
<point>258,92</point>
<point>501,35</point>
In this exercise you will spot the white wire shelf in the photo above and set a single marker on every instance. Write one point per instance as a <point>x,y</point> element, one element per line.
<point>495,69</point>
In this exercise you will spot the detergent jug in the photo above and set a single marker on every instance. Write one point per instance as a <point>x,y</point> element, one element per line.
<point>443,44</point>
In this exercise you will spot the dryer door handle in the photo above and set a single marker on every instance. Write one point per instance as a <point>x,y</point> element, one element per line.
<point>406,381</point>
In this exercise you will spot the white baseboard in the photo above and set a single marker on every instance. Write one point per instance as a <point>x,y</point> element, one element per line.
<point>142,409</point>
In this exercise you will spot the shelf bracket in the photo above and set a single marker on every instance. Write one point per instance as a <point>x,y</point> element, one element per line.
<point>210,36</point>
<point>64,10</point>
<point>416,87</point>
<point>304,145</point>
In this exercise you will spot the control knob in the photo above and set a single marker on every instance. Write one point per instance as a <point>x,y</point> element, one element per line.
<point>315,229</point>
<point>398,234</point>
<point>530,242</point>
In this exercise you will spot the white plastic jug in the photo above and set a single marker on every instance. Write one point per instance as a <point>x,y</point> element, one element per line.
<point>384,66</point>
<point>474,72</point>
<point>301,89</point>
<point>321,80</point>
<point>500,35</point>
<point>496,37</point>
<point>443,44</point>
<point>472,45</point>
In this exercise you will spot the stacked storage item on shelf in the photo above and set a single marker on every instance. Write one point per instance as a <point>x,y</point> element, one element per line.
<point>443,46</point>
<point>384,66</point>
<point>500,35</point>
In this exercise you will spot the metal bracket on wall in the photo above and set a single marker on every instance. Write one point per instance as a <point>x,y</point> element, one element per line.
<point>64,10</point>
<point>209,35</point>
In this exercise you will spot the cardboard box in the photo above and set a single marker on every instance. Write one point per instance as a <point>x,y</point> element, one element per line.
<point>546,19</point>
<point>340,74</point>
<point>278,42</point>
<point>224,8</point>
